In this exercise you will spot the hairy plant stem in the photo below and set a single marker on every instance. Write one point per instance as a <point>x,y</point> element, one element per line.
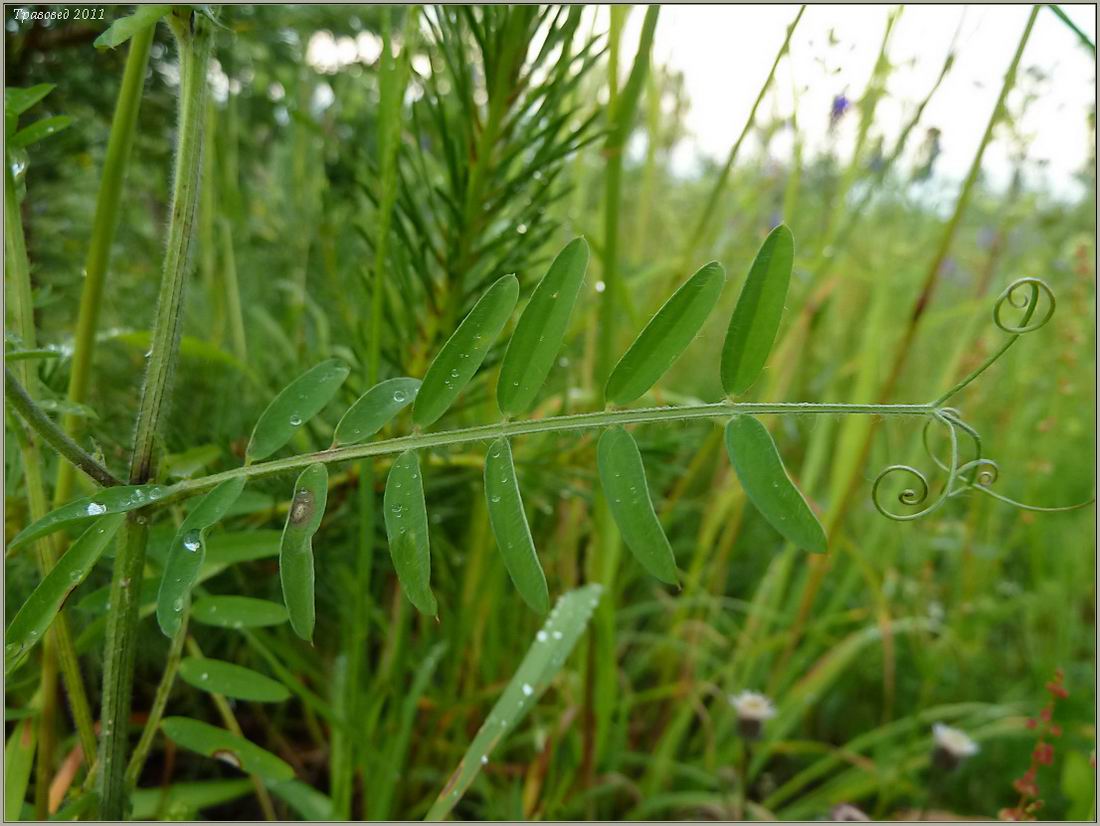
<point>104,226</point>
<point>18,397</point>
<point>193,36</point>
<point>58,648</point>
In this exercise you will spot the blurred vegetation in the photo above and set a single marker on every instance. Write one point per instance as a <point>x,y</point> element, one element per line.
<point>960,618</point>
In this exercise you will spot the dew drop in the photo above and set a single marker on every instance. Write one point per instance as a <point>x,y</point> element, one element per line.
<point>484,759</point>
<point>295,420</point>
<point>527,690</point>
<point>494,499</point>
<point>192,541</point>
<point>542,636</point>
<point>95,509</point>
<point>398,396</point>
<point>177,606</point>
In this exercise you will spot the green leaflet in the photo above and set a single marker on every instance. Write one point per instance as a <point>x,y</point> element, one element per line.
<point>220,677</point>
<point>18,100</point>
<point>35,615</point>
<point>407,530</point>
<point>374,410</point>
<point>510,528</point>
<point>544,659</point>
<point>40,129</point>
<point>756,317</point>
<point>18,762</point>
<point>126,27</point>
<point>298,402</point>
<point>540,330</point>
<point>666,336</point>
<point>237,612</point>
<point>187,552</point>
<point>119,499</point>
<point>220,744</point>
<point>622,476</point>
<point>456,363</point>
<point>188,798</point>
<point>766,483</point>
<point>296,549</point>
<point>309,803</point>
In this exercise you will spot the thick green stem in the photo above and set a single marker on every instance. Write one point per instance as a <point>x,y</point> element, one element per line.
<point>36,418</point>
<point>193,35</point>
<point>104,225</point>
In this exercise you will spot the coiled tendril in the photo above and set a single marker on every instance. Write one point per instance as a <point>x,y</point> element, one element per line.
<point>1036,301</point>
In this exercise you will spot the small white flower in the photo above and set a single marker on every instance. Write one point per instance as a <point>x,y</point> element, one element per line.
<point>955,743</point>
<point>752,705</point>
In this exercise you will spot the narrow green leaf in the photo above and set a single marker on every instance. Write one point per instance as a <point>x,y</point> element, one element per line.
<point>407,530</point>
<point>456,363</point>
<point>296,549</point>
<point>40,129</point>
<point>119,499</point>
<point>187,552</point>
<point>756,460</point>
<point>299,402</point>
<point>18,761</point>
<point>666,336</point>
<point>510,527</point>
<point>374,410</point>
<point>622,476</point>
<point>756,317</point>
<point>11,356</point>
<point>309,803</point>
<point>220,744</point>
<point>233,548</point>
<point>35,615</point>
<point>544,659</point>
<point>540,330</point>
<point>186,798</point>
<point>238,612</point>
<point>126,27</point>
<point>220,677</point>
<point>19,100</point>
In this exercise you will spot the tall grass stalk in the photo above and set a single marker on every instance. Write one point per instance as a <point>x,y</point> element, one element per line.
<point>194,39</point>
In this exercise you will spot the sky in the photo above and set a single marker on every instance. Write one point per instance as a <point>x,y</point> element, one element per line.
<point>725,53</point>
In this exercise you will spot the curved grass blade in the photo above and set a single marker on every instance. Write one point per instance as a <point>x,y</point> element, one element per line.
<point>187,553</point>
<point>118,499</point>
<point>756,317</point>
<point>622,476</point>
<point>223,745</point>
<point>298,402</point>
<point>35,615</point>
<point>238,612</point>
<point>374,410</point>
<point>407,530</point>
<point>456,363</point>
<point>756,461</point>
<point>510,527</point>
<point>220,677</point>
<point>188,798</point>
<point>544,659</point>
<point>309,803</point>
<point>666,336</point>
<point>540,330</point>
<point>296,549</point>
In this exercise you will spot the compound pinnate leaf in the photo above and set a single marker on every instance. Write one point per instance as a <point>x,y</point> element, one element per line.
<point>231,680</point>
<point>510,527</point>
<point>118,499</point>
<point>545,658</point>
<point>237,612</point>
<point>35,615</point>
<point>622,476</point>
<point>307,507</point>
<point>760,469</point>
<point>187,553</point>
<point>299,402</point>
<point>540,330</point>
<point>756,317</point>
<point>374,410</point>
<point>461,356</point>
<point>223,745</point>
<point>407,529</point>
<point>666,336</point>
